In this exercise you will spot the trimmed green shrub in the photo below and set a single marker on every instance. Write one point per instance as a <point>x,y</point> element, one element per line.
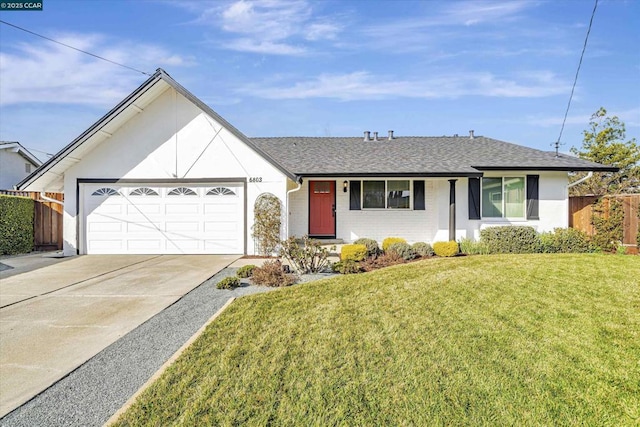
<point>307,256</point>
<point>565,240</point>
<point>346,267</point>
<point>472,247</point>
<point>511,239</point>
<point>353,252</point>
<point>446,249</point>
<point>372,246</point>
<point>390,241</point>
<point>245,271</point>
<point>16,225</point>
<point>230,282</point>
<point>402,249</point>
<point>423,249</point>
<point>272,274</point>
<point>607,218</point>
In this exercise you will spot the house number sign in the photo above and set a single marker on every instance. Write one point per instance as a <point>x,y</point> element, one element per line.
<point>255,179</point>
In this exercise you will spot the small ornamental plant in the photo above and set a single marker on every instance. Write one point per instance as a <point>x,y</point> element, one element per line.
<point>390,241</point>
<point>272,274</point>
<point>403,250</point>
<point>353,252</point>
<point>446,249</point>
<point>423,249</point>
<point>231,282</point>
<point>372,246</point>
<point>306,256</point>
<point>245,271</point>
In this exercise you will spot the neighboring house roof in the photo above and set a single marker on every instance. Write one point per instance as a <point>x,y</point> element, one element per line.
<point>16,147</point>
<point>413,156</point>
<point>298,157</point>
<point>51,172</point>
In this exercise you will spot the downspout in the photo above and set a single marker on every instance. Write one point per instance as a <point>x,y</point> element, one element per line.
<point>49,199</point>
<point>589,175</point>
<point>293,190</point>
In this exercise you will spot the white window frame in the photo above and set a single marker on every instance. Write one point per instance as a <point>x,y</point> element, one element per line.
<point>504,207</point>
<point>386,193</point>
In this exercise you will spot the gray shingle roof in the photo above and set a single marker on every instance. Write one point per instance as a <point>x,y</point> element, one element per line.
<point>412,156</point>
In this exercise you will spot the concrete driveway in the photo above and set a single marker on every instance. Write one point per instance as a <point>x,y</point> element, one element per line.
<point>55,318</point>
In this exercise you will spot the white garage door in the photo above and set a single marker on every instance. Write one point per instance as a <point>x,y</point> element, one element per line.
<point>161,219</point>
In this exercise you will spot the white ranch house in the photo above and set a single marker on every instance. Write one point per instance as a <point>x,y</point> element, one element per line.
<point>162,173</point>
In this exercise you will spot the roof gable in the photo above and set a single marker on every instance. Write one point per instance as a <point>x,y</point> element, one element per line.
<point>16,147</point>
<point>52,171</point>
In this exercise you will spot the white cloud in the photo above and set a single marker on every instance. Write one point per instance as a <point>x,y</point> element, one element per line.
<point>264,47</point>
<point>276,27</point>
<point>363,85</point>
<point>45,72</point>
<point>477,12</point>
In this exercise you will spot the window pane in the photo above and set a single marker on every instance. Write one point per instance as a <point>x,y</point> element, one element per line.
<point>322,187</point>
<point>514,197</point>
<point>398,195</point>
<point>491,197</point>
<point>373,194</point>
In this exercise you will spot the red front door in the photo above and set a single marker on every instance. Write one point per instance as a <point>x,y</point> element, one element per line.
<point>322,208</point>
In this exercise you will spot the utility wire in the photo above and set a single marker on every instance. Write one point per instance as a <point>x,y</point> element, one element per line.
<point>74,48</point>
<point>575,80</point>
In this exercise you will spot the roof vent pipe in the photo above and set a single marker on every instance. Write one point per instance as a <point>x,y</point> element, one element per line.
<point>471,136</point>
<point>367,135</point>
<point>375,136</point>
<point>390,135</point>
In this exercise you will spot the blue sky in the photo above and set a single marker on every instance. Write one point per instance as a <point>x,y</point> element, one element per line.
<point>329,68</point>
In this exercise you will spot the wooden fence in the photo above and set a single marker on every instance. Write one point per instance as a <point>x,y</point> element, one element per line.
<point>47,221</point>
<point>581,210</point>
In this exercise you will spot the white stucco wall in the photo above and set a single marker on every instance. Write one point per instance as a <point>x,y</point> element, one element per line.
<point>172,139</point>
<point>12,169</point>
<point>431,224</point>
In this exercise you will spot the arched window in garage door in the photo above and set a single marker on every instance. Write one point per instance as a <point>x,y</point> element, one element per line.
<point>220,191</point>
<point>105,191</point>
<point>181,191</point>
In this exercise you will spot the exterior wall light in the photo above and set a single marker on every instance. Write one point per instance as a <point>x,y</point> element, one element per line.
<point>345,185</point>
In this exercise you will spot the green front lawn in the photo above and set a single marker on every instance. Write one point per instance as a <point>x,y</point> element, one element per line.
<point>484,340</point>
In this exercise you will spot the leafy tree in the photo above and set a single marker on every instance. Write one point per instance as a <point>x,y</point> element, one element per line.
<point>604,142</point>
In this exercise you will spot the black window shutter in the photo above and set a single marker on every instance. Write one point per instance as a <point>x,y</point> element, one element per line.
<point>354,195</point>
<point>418,195</point>
<point>532,196</point>
<point>474,198</point>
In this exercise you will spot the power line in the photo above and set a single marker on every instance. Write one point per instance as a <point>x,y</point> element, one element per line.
<point>74,48</point>
<point>575,80</point>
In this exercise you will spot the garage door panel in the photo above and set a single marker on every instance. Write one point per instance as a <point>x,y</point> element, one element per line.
<point>136,227</point>
<point>221,208</point>
<point>163,223</point>
<point>182,226</point>
<point>219,246</point>
<point>105,227</point>
<point>221,227</point>
<point>184,245</point>
<point>144,244</point>
<point>100,246</point>
<point>144,209</point>
<point>109,208</point>
<point>180,209</point>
